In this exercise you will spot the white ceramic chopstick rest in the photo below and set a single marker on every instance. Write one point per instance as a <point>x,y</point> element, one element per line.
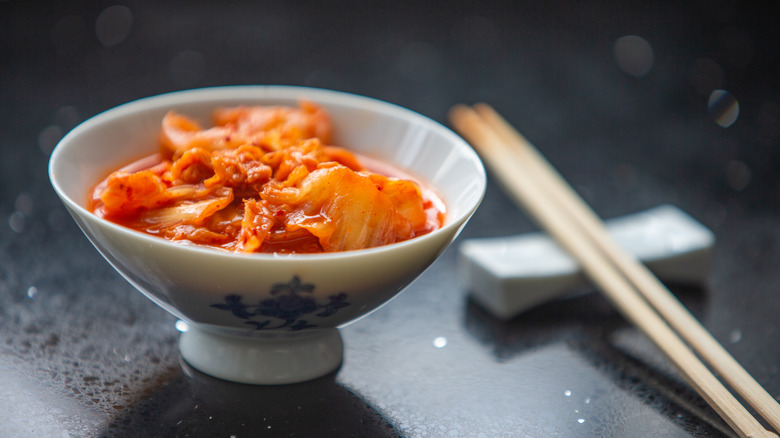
<point>509,275</point>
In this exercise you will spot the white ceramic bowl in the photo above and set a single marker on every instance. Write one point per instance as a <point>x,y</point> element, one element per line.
<point>263,318</point>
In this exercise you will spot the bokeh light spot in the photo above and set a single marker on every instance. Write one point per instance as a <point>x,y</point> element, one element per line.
<point>634,55</point>
<point>113,25</point>
<point>723,108</point>
<point>16,222</point>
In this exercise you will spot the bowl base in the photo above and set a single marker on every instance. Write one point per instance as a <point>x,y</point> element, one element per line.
<point>282,359</point>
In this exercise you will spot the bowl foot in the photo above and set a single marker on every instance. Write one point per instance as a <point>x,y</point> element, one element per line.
<point>274,360</point>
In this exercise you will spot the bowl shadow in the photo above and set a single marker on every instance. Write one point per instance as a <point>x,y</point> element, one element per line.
<point>193,404</point>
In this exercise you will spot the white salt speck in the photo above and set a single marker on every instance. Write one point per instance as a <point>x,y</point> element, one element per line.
<point>581,420</point>
<point>567,393</point>
<point>32,292</point>
<point>440,342</point>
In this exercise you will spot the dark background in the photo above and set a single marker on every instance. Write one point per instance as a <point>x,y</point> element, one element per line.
<point>83,354</point>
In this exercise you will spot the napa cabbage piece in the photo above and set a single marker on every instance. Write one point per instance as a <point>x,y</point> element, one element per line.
<point>344,209</point>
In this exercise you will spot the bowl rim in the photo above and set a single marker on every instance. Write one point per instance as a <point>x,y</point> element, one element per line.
<point>260,92</point>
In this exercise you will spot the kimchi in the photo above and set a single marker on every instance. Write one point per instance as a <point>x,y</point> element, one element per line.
<point>265,179</point>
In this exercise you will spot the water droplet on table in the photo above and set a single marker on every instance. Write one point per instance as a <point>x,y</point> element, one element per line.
<point>440,342</point>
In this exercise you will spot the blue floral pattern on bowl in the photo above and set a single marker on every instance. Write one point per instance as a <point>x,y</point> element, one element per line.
<point>287,309</point>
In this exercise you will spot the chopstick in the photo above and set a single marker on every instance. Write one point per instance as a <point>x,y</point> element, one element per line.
<point>645,282</point>
<point>534,184</point>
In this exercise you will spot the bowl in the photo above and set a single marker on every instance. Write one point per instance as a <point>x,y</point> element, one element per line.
<point>267,318</point>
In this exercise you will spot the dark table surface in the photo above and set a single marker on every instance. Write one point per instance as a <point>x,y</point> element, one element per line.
<point>82,354</point>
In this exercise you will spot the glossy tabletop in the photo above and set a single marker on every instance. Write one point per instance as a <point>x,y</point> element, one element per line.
<point>637,106</point>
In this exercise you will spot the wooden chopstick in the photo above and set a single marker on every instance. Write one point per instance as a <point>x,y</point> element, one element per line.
<point>555,207</point>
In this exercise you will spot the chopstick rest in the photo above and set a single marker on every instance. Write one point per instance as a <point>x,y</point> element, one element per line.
<point>510,275</point>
